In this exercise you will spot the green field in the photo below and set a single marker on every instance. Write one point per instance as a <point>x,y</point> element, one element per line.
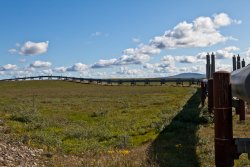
<point>111,125</point>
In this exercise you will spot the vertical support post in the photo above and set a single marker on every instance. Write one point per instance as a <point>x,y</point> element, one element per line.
<point>241,110</point>
<point>210,95</point>
<point>224,154</point>
<point>212,64</point>
<point>234,63</point>
<point>243,63</point>
<point>203,93</point>
<point>208,66</point>
<point>238,62</point>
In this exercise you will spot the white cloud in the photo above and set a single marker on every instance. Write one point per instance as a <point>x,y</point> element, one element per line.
<point>8,67</point>
<point>224,53</point>
<point>22,60</point>
<point>138,55</point>
<point>167,61</point>
<point>223,67</point>
<point>186,59</point>
<point>202,32</point>
<point>246,54</point>
<point>78,67</point>
<point>46,72</point>
<point>60,69</point>
<point>12,51</point>
<point>98,33</point>
<point>40,64</point>
<point>127,71</point>
<point>136,40</point>
<point>2,72</point>
<point>104,63</point>
<point>231,48</point>
<point>30,48</point>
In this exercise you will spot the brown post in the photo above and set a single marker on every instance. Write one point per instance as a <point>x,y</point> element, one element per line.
<point>212,64</point>
<point>238,62</point>
<point>234,63</point>
<point>224,153</point>
<point>243,63</point>
<point>210,95</point>
<point>203,93</point>
<point>208,71</point>
<point>241,110</point>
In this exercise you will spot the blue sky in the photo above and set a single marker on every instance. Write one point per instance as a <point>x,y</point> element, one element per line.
<point>111,38</point>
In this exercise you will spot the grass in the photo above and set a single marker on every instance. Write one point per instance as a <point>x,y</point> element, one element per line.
<point>96,125</point>
<point>74,118</point>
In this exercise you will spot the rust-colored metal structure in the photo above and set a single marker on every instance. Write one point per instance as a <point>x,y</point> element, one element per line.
<point>210,95</point>
<point>241,110</point>
<point>203,93</point>
<point>224,142</point>
<point>238,62</point>
<point>234,63</point>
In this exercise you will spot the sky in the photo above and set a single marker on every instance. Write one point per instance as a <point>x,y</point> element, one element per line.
<point>120,38</point>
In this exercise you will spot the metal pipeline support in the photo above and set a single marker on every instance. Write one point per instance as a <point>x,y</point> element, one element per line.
<point>243,63</point>
<point>210,95</point>
<point>212,65</point>
<point>224,142</point>
<point>243,146</point>
<point>234,63</point>
<point>208,71</point>
<point>238,62</point>
<point>203,93</point>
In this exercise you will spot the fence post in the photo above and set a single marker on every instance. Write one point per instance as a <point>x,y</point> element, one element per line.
<point>224,150</point>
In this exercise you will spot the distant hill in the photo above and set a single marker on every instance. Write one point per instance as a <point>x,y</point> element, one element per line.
<point>188,75</point>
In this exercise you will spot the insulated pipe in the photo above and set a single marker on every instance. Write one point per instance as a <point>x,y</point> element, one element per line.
<point>224,143</point>
<point>240,81</point>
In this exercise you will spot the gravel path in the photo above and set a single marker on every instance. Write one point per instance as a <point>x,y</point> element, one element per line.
<point>16,154</point>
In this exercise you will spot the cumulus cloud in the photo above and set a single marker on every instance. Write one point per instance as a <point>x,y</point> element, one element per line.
<point>186,59</point>
<point>30,48</point>
<point>12,51</point>
<point>60,69</point>
<point>202,32</point>
<point>8,67</point>
<point>40,64</point>
<point>104,63</point>
<point>224,53</point>
<point>136,40</point>
<point>46,72</point>
<point>98,33</point>
<point>138,55</point>
<point>78,67</point>
<point>223,67</point>
<point>127,71</point>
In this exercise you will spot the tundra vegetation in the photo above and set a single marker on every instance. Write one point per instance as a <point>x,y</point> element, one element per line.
<point>95,125</point>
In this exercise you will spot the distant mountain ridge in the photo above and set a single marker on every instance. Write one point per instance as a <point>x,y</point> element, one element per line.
<point>188,75</point>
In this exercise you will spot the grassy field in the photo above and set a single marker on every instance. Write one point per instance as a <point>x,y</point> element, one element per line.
<point>95,125</point>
